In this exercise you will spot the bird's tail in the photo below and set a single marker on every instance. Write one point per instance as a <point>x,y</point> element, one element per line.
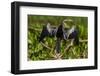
<point>58,48</point>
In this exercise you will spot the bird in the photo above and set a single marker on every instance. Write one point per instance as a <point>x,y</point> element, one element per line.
<point>61,33</point>
<point>57,32</point>
<point>53,31</point>
<point>66,34</point>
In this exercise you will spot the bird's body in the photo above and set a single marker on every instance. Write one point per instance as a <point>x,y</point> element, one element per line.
<point>60,33</point>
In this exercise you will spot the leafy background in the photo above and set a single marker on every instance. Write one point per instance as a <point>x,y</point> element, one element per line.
<point>37,52</point>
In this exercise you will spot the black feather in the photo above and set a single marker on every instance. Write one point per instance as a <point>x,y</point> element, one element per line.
<point>60,32</point>
<point>43,34</point>
<point>58,47</point>
<point>74,35</point>
<point>47,31</point>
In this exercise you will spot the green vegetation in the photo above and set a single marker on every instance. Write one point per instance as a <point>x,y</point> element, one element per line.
<point>36,51</point>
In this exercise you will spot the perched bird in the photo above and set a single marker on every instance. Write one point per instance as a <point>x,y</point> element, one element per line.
<point>66,34</point>
<point>57,32</point>
<point>60,33</point>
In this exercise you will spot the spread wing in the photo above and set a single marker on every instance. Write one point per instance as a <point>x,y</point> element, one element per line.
<point>73,34</point>
<point>47,31</point>
<point>43,34</point>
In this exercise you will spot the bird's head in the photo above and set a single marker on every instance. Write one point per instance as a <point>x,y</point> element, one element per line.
<point>67,23</point>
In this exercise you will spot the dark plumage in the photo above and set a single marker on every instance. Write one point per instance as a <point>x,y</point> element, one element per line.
<point>47,31</point>
<point>60,33</point>
<point>43,34</point>
<point>58,47</point>
<point>73,34</point>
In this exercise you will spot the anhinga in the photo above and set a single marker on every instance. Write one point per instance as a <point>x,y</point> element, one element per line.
<point>60,33</point>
